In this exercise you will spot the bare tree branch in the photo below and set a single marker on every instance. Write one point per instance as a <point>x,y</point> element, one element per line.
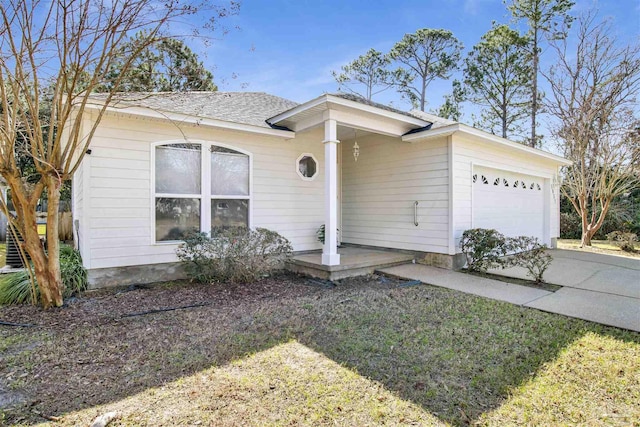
<point>53,56</point>
<point>594,89</point>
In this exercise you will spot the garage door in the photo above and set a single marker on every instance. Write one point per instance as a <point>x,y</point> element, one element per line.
<point>509,202</point>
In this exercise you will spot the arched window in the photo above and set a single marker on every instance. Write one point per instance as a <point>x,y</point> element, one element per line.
<point>192,194</point>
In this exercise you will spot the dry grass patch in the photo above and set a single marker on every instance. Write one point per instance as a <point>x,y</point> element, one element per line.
<point>599,246</point>
<point>280,352</point>
<point>594,381</point>
<point>3,254</point>
<point>286,385</point>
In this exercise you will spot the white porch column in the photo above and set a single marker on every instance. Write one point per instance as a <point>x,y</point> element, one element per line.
<point>330,254</point>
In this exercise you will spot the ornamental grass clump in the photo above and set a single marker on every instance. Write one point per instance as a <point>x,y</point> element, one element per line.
<point>625,241</point>
<point>17,288</point>
<point>233,254</point>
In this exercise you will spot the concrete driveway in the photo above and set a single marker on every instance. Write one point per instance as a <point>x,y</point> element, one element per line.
<point>595,287</point>
<point>589,271</point>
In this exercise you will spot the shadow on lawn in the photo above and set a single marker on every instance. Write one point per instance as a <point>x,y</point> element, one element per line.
<point>455,355</point>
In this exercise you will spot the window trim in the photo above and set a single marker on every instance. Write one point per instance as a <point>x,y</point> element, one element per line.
<point>307,178</point>
<point>205,196</point>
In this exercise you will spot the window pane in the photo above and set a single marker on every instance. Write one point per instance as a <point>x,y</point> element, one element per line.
<point>307,167</point>
<point>178,169</point>
<point>176,217</point>
<point>229,213</point>
<point>229,173</point>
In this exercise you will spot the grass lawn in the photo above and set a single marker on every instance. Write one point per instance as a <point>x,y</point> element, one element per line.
<point>282,352</point>
<point>599,246</point>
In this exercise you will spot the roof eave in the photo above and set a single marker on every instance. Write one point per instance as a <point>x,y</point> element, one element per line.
<point>335,100</point>
<point>469,130</point>
<point>195,120</point>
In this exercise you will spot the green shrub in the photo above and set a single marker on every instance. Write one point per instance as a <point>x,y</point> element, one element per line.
<point>623,240</point>
<point>483,249</point>
<point>487,248</point>
<point>320,232</point>
<point>234,254</point>
<point>616,219</point>
<point>15,288</point>
<point>528,253</point>
<point>74,275</point>
<point>570,226</point>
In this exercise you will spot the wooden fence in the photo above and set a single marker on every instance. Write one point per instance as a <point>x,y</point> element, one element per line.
<point>65,227</point>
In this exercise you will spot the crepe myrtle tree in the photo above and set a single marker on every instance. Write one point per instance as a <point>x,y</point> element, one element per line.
<point>53,56</point>
<point>595,85</point>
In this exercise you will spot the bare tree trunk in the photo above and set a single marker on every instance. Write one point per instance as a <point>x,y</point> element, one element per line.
<point>534,86</point>
<point>591,227</point>
<point>54,279</point>
<point>583,212</point>
<point>504,117</point>
<point>423,95</point>
<point>46,268</point>
<point>50,286</point>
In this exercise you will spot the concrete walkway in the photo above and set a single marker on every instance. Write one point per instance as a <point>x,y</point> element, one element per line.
<point>600,288</point>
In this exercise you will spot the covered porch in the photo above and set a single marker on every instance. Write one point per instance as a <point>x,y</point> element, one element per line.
<point>344,119</point>
<point>354,261</point>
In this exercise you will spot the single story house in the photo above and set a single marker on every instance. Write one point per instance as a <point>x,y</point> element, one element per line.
<point>160,164</point>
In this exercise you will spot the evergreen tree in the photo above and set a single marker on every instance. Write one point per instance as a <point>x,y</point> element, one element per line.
<point>451,108</point>
<point>369,70</point>
<point>168,65</point>
<point>544,18</point>
<point>424,56</point>
<point>498,77</point>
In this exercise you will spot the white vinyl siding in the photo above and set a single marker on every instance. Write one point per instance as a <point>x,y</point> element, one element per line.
<point>470,153</point>
<point>77,202</point>
<point>379,191</point>
<point>119,205</point>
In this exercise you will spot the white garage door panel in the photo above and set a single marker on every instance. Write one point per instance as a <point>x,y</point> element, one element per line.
<point>509,202</point>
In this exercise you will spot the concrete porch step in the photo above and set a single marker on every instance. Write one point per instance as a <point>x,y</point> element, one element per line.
<point>354,261</point>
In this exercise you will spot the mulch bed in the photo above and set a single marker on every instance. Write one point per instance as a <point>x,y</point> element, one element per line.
<point>110,343</point>
<point>516,281</point>
<point>106,305</point>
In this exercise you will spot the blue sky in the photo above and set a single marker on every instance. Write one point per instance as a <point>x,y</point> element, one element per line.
<point>289,47</point>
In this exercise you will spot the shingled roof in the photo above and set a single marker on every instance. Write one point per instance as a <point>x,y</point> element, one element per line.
<point>362,100</point>
<point>436,121</point>
<point>251,108</point>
